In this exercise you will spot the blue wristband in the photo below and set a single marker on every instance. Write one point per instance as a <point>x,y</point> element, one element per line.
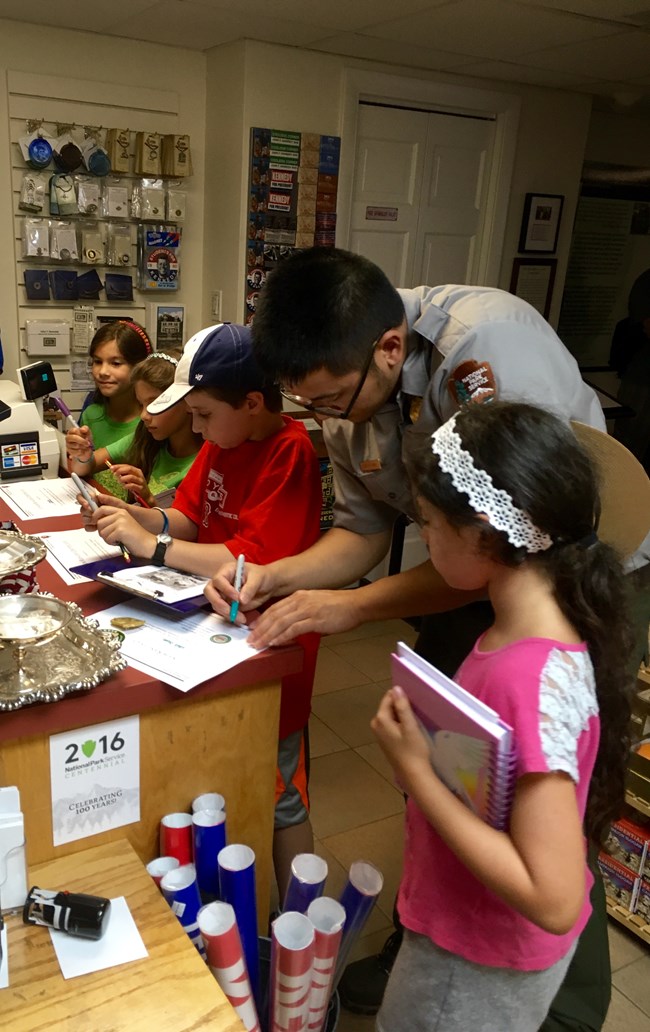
<point>165,526</point>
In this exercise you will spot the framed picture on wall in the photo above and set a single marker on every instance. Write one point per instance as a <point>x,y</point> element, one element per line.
<point>532,280</point>
<point>540,225</point>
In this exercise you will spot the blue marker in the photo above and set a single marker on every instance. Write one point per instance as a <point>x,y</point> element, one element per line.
<point>239,576</point>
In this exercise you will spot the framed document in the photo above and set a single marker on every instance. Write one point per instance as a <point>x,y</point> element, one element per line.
<point>540,225</point>
<point>532,280</point>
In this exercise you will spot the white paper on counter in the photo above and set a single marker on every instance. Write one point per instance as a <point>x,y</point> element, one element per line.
<point>120,944</point>
<point>182,651</point>
<point>41,499</point>
<point>67,548</point>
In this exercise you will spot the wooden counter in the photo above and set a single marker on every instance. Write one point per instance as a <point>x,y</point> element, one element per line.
<point>171,990</point>
<point>220,737</point>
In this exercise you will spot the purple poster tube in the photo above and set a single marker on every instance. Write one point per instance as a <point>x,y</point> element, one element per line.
<point>181,890</point>
<point>308,877</point>
<point>209,838</point>
<point>365,882</point>
<point>237,886</point>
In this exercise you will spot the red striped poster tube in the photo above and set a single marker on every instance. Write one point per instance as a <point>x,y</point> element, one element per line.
<point>292,951</point>
<point>218,927</point>
<point>328,917</point>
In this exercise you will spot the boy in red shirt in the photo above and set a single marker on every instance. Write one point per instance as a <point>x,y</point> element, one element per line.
<point>253,489</point>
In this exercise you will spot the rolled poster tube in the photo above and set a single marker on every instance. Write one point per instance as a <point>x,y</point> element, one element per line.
<point>292,952</point>
<point>208,839</point>
<point>307,881</point>
<point>237,887</point>
<point>208,801</point>
<point>176,837</point>
<point>365,882</point>
<point>180,889</point>
<point>159,867</point>
<point>328,918</point>
<point>218,927</point>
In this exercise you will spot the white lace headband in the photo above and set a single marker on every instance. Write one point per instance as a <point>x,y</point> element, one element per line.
<point>168,358</point>
<point>477,484</point>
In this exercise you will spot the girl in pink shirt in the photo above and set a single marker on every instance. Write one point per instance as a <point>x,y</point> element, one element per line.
<point>509,506</point>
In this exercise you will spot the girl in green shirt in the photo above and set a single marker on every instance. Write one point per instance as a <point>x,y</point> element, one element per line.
<point>113,412</point>
<point>149,464</point>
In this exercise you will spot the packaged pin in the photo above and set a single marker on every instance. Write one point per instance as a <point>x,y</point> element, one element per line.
<point>36,238</point>
<point>89,195</point>
<point>63,242</point>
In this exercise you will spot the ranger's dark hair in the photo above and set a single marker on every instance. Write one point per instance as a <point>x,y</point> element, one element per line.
<point>537,459</point>
<point>321,309</point>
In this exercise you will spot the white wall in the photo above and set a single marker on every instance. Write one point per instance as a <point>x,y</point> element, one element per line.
<point>290,88</point>
<point>108,60</point>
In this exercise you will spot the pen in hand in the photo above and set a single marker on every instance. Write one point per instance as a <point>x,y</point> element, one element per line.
<point>62,407</point>
<point>85,493</point>
<point>139,499</point>
<point>239,576</point>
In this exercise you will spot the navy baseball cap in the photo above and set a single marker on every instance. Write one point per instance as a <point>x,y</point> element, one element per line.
<point>219,356</point>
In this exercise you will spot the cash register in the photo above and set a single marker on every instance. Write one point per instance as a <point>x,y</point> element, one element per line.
<point>29,448</point>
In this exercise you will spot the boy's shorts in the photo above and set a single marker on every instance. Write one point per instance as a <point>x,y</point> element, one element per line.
<point>292,780</point>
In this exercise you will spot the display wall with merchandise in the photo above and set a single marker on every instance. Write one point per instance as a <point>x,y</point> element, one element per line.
<point>99,217</point>
<point>293,185</point>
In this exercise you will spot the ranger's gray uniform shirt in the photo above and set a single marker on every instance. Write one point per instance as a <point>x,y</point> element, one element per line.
<point>476,338</point>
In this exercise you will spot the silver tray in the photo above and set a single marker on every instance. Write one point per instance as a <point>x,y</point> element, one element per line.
<point>19,552</point>
<point>77,657</point>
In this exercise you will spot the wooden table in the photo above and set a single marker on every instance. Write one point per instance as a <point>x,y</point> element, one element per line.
<point>171,990</point>
<point>220,737</point>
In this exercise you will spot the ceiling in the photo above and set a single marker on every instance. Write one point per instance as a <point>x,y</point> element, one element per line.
<point>600,47</point>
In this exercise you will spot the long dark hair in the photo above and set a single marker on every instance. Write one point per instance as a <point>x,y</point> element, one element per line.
<point>157,372</point>
<point>537,459</point>
<point>132,342</point>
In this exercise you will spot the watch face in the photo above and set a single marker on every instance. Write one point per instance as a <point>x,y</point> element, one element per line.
<point>164,539</point>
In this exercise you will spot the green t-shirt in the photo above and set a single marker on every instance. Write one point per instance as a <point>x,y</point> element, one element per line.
<point>105,431</point>
<point>167,471</point>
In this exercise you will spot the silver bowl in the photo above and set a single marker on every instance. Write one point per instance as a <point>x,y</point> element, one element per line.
<point>31,619</point>
<point>19,552</point>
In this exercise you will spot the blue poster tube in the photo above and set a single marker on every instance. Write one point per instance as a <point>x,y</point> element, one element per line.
<point>180,889</point>
<point>365,882</point>
<point>237,887</point>
<point>209,838</point>
<point>307,881</point>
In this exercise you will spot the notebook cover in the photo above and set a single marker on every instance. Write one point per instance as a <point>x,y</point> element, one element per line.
<point>472,749</point>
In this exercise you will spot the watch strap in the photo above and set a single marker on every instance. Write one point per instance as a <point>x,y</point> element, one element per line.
<point>158,557</point>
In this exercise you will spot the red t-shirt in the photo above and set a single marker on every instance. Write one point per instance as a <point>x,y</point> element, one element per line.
<point>262,499</point>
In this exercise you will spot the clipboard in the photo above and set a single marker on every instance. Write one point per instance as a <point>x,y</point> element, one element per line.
<point>102,570</point>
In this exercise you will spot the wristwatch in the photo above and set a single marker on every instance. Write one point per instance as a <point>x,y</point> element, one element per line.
<point>163,541</point>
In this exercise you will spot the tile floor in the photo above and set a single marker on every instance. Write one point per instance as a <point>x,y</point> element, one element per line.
<point>357,811</point>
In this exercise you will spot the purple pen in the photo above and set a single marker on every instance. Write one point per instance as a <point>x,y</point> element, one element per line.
<point>61,405</point>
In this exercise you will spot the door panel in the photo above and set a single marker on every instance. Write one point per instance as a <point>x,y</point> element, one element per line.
<point>419,195</point>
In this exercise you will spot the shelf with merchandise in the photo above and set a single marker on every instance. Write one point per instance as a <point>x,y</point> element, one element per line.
<point>630,921</point>
<point>122,220</point>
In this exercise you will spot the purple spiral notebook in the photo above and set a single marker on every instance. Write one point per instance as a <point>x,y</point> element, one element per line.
<point>472,749</point>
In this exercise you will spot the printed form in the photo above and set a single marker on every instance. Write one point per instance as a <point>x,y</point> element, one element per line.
<point>180,651</point>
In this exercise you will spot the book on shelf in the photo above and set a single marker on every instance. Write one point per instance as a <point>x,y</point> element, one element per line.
<point>472,750</point>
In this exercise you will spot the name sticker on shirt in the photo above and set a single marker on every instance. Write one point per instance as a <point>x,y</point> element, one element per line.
<point>370,465</point>
<point>472,381</point>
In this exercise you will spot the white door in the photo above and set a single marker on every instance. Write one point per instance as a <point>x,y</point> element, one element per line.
<point>418,209</point>
<point>419,193</point>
